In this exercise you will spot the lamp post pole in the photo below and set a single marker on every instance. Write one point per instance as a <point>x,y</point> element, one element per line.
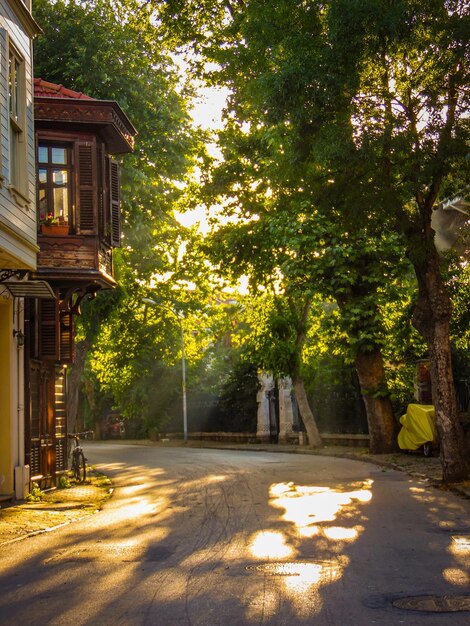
<point>183,363</point>
<point>183,382</point>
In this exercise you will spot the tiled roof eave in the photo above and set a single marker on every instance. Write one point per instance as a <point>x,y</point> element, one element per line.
<point>47,89</point>
<point>104,113</point>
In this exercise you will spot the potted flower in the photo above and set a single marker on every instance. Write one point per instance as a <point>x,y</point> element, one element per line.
<point>54,226</point>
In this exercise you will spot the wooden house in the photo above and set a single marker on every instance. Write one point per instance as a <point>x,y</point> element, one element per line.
<point>78,225</point>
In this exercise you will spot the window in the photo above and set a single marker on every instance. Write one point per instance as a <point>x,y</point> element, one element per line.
<point>54,184</point>
<point>16,97</point>
<point>77,187</point>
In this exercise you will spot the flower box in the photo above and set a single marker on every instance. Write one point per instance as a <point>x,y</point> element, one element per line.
<point>56,230</point>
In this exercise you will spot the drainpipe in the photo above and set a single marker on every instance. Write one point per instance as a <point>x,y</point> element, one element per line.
<point>21,470</point>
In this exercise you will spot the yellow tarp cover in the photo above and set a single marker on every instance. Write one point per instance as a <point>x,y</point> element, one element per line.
<point>418,426</point>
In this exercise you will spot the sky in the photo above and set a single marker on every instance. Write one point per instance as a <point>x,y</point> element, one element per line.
<point>208,107</point>
<point>206,113</point>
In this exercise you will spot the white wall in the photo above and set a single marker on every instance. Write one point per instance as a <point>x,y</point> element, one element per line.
<point>18,239</point>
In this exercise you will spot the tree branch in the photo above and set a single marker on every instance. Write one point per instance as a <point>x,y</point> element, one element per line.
<point>445,137</point>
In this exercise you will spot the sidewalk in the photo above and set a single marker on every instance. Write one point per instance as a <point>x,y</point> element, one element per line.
<point>63,506</point>
<point>56,508</point>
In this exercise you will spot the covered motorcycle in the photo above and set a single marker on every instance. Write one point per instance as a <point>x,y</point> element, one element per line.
<point>418,428</point>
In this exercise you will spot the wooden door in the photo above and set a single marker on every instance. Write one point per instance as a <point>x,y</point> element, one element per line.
<point>42,423</point>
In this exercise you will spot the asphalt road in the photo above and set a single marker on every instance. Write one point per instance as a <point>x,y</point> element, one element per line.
<point>207,537</point>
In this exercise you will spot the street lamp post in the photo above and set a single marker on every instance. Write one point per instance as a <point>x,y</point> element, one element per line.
<point>183,384</point>
<point>183,362</point>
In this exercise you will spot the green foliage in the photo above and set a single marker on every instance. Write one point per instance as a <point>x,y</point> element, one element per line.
<point>64,482</point>
<point>458,280</point>
<point>459,286</point>
<point>274,322</point>
<point>111,50</point>
<point>35,495</point>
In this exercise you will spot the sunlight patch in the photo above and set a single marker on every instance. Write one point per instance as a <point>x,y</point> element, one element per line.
<point>338,533</point>
<point>460,543</point>
<point>308,506</point>
<point>270,544</point>
<point>456,576</point>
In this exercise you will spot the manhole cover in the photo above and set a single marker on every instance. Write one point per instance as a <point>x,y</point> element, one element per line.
<point>434,604</point>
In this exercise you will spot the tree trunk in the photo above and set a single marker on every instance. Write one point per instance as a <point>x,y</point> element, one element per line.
<point>74,383</point>
<point>431,318</point>
<point>382,426</point>
<point>306,414</point>
<point>305,411</point>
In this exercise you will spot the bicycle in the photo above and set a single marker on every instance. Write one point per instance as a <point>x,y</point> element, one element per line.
<point>78,465</point>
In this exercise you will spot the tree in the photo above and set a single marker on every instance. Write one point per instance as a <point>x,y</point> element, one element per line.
<point>303,254</point>
<point>406,114</point>
<point>373,92</point>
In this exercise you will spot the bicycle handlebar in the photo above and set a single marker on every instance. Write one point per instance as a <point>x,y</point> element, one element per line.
<point>78,435</point>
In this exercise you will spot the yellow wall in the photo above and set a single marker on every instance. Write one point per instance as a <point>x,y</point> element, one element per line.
<point>6,384</point>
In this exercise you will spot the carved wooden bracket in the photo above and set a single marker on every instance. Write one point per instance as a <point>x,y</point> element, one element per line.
<point>74,296</point>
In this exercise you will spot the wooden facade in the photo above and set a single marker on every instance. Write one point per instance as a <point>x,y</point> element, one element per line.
<point>78,225</point>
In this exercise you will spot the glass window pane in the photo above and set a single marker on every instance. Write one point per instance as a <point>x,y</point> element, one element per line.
<point>59,156</point>
<point>14,86</point>
<point>11,79</point>
<point>59,178</point>
<point>17,90</point>
<point>14,156</point>
<point>42,154</point>
<point>60,199</point>
<point>42,205</point>
<point>53,182</point>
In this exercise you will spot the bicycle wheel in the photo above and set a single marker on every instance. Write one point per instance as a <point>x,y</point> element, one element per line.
<point>79,466</point>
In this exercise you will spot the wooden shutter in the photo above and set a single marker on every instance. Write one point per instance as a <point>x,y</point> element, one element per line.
<point>49,329</point>
<point>66,345</point>
<point>103,201</point>
<point>115,203</point>
<point>87,205</point>
<point>34,396</point>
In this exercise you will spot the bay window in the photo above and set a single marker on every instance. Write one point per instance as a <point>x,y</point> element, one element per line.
<point>77,187</point>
